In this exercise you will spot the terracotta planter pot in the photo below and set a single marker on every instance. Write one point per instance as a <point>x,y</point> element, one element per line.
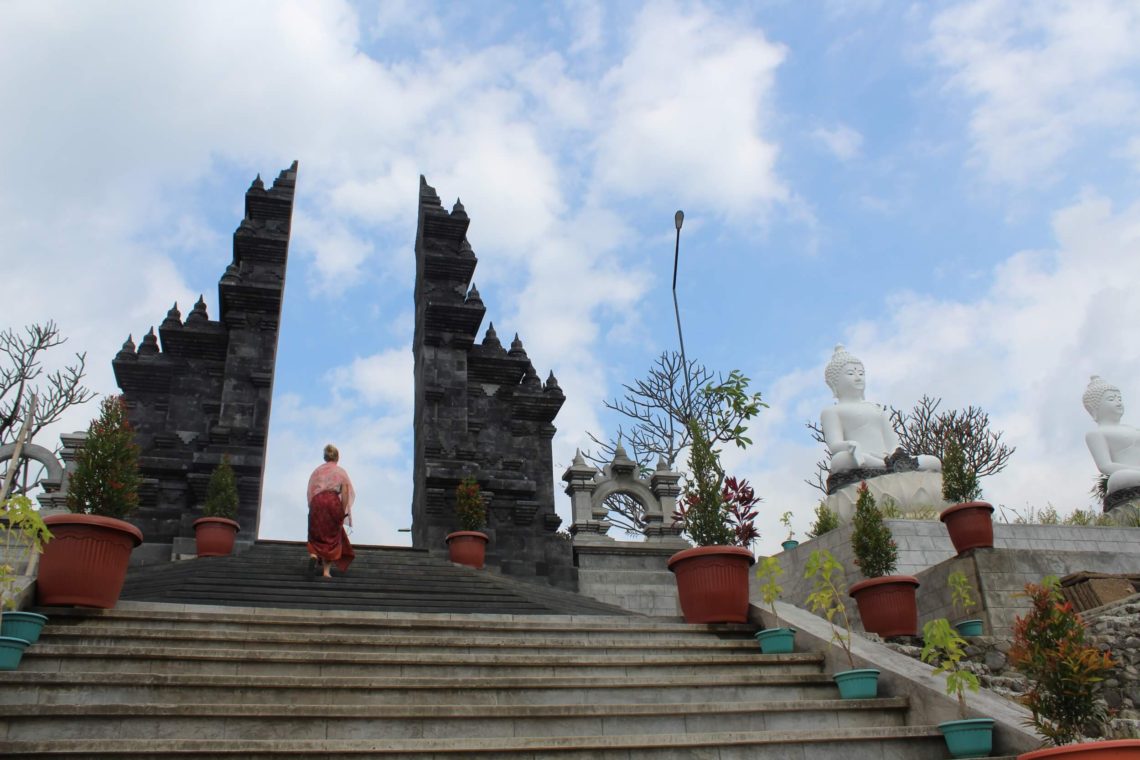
<point>215,536</point>
<point>712,583</point>
<point>1119,749</point>
<point>467,547</point>
<point>86,561</point>
<point>887,605</point>
<point>970,525</point>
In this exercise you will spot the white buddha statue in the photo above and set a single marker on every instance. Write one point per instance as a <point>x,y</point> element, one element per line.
<point>1114,447</point>
<point>859,433</point>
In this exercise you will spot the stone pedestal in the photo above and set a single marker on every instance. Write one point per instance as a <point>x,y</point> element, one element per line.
<point>911,491</point>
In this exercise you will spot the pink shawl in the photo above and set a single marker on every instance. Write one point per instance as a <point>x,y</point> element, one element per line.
<point>332,477</point>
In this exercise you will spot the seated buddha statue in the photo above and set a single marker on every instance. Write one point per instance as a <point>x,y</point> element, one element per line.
<point>1114,447</point>
<point>859,433</point>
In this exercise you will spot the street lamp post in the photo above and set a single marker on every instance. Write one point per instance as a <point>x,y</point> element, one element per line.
<point>678,220</point>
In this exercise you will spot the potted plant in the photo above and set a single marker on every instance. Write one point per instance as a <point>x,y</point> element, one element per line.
<point>214,534</point>
<point>85,564</point>
<point>24,531</point>
<point>886,602</point>
<point>775,640</point>
<point>468,545</point>
<point>962,598</point>
<point>718,515</point>
<point>789,543</point>
<point>944,648</point>
<point>826,596</point>
<point>1065,674</point>
<point>968,521</point>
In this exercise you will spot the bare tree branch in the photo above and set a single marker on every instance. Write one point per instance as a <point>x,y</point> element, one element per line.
<point>925,430</point>
<point>21,368</point>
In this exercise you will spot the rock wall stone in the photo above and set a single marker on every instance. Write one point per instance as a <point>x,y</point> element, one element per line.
<point>205,392</point>
<point>480,411</point>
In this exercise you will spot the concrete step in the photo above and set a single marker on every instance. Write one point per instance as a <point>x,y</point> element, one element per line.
<point>87,658</point>
<point>309,722</point>
<point>381,578</point>
<point>874,743</point>
<point>551,643</point>
<point>30,688</point>
<point>570,628</point>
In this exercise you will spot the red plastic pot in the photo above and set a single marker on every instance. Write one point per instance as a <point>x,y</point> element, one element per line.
<point>1118,749</point>
<point>467,547</point>
<point>712,583</point>
<point>887,605</point>
<point>214,536</point>
<point>85,562</point>
<point>970,525</point>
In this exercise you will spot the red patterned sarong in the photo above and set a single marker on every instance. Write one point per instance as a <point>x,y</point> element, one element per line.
<point>327,538</point>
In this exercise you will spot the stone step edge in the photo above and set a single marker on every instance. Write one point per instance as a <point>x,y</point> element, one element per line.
<point>213,636</point>
<point>375,747</point>
<point>128,610</point>
<point>324,657</point>
<point>457,711</point>
<point>390,683</point>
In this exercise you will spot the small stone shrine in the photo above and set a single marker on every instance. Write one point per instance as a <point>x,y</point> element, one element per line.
<point>865,448</point>
<point>201,388</point>
<point>481,410</point>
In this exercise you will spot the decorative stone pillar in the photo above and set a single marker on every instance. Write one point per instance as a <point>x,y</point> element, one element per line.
<point>581,483</point>
<point>663,483</point>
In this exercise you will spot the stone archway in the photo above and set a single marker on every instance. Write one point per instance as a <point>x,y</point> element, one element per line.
<point>589,488</point>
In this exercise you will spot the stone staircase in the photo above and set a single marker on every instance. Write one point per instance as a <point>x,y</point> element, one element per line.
<point>283,665</point>
<point>161,680</point>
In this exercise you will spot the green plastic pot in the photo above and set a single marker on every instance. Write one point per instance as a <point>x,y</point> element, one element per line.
<point>969,627</point>
<point>790,544</point>
<point>776,640</point>
<point>23,625</point>
<point>11,650</point>
<point>861,683</point>
<point>969,738</point>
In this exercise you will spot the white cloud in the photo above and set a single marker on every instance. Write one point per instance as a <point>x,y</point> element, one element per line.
<point>687,108</point>
<point>1042,77</point>
<point>844,142</point>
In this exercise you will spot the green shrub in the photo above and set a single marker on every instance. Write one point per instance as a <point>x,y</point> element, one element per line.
<point>828,590</point>
<point>875,551</point>
<point>106,478</point>
<point>1064,672</point>
<point>959,482</point>
<point>943,647</point>
<point>469,506</point>
<point>825,521</point>
<point>221,492</point>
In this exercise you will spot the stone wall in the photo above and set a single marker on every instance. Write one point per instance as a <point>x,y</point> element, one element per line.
<point>200,388</point>
<point>1021,553</point>
<point>480,411</point>
<point>1114,627</point>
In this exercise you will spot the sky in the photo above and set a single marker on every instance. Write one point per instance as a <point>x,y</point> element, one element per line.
<point>950,189</point>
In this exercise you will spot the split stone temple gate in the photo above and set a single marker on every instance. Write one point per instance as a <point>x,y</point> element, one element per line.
<point>200,389</point>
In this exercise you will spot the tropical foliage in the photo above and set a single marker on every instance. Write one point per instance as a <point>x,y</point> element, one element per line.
<point>106,478</point>
<point>469,506</point>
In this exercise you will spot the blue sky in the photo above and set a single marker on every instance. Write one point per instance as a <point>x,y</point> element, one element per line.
<point>949,189</point>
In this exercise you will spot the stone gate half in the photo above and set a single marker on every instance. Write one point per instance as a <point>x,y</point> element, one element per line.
<point>481,411</point>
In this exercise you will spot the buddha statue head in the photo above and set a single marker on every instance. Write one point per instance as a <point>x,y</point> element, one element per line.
<point>845,376</point>
<point>1103,401</point>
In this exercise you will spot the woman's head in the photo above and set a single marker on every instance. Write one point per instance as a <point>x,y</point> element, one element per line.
<point>332,454</point>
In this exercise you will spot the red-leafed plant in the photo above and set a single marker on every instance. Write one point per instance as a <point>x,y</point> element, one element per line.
<point>1064,672</point>
<point>469,506</point>
<point>716,512</point>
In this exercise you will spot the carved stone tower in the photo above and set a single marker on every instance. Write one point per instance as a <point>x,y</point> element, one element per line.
<point>480,410</point>
<point>206,392</point>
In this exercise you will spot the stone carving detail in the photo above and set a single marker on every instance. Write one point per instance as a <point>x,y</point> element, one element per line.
<point>207,390</point>
<point>481,410</point>
<point>1114,447</point>
<point>588,489</point>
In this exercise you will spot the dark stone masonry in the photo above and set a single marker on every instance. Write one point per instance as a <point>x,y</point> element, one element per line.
<point>206,392</point>
<point>481,410</point>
